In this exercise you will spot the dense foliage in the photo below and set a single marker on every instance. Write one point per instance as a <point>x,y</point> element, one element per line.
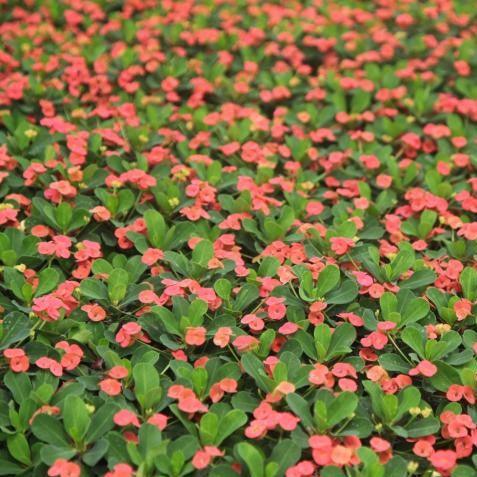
<point>238,237</point>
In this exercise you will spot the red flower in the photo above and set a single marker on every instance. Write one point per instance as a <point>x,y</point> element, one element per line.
<point>59,247</point>
<point>63,468</point>
<point>245,342</point>
<point>463,308</point>
<point>341,245</point>
<point>203,457</point>
<point>222,336</point>
<point>159,420</point>
<point>120,470</point>
<point>125,418</point>
<point>17,360</point>
<point>443,460</point>
<point>111,387</point>
<point>195,336</point>
<point>426,368</point>
<point>151,256</point>
<point>95,312</point>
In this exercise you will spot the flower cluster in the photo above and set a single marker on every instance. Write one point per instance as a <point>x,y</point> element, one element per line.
<point>238,238</point>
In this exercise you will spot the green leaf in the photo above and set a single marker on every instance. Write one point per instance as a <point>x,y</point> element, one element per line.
<point>170,322</point>
<point>49,430</point>
<point>19,449</point>
<point>342,407</point>
<point>388,303</point>
<point>268,267</point>
<point>223,288</point>
<point>94,455</point>
<point>359,426</point>
<point>322,336</point>
<point>156,227</point>
<point>415,339</point>
<point>394,362</point>
<point>408,398</point>
<point>414,310</point>
<point>63,215</point>
<point>203,252</point>
<point>208,428</point>
<point>272,230</point>
<point>346,293</point>
<point>328,279</point>
<point>16,327</point>
<point>247,294</point>
<point>14,281</point>
<point>48,279</point>
<point>424,427</point>
<point>229,423</point>
<point>50,453</point>
<point>446,376</point>
<point>254,367</point>
<point>101,422</point>
<point>401,263</point>
<point>286,453</point>
<point>146,385</point>
<point>94,289</point>
<point>468,280</point>
<point>75,417</point>
<point>19,385</point>
<point>426,223</point>
<point>331,471</point>
<point>252,457</point>
<point>341,340</point>
<point>300,407</point>
<point>465,471</point>
<point>9,468</point>
<point>117,285</point>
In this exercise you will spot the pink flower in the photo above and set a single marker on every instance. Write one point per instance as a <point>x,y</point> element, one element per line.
<point>100,213</point>
<point>304,468</point>
<point>426,368</point>
<point>148,297</point>
<point>126,418</point>
<point>129,333</point>
<point>120,470</point>
<point>63,468</point>
<point>58,246</point>
<point>159,420</point>
<point>53,366</point>
<point>463,308</point>
<point>188,401</point>
<point>203,457</point>
<point>94,311</point>
<point>341,245</point>
<point>443,460</point>
<point>288,328</point>
<point>151,256</point>
<point>468,231</point>
<point>314,208</point>
<point>57,190</point>
<point>275,308</point>
<point>245,342</point>
<point>17,360</point>
<point>320,375</point>
<point>48,307</point>
<point>111,387</point>
<point>222,336</point>
<point>195,336</point>
<point>288,421</point>
<point>118,372</point>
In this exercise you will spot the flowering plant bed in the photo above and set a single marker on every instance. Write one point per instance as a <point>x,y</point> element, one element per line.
<point>238,238</point>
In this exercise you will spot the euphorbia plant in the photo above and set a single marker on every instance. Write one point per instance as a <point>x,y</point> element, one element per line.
<point>238,238</point>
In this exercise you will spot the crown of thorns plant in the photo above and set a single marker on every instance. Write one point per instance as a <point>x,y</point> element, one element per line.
<point>238,238</point>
